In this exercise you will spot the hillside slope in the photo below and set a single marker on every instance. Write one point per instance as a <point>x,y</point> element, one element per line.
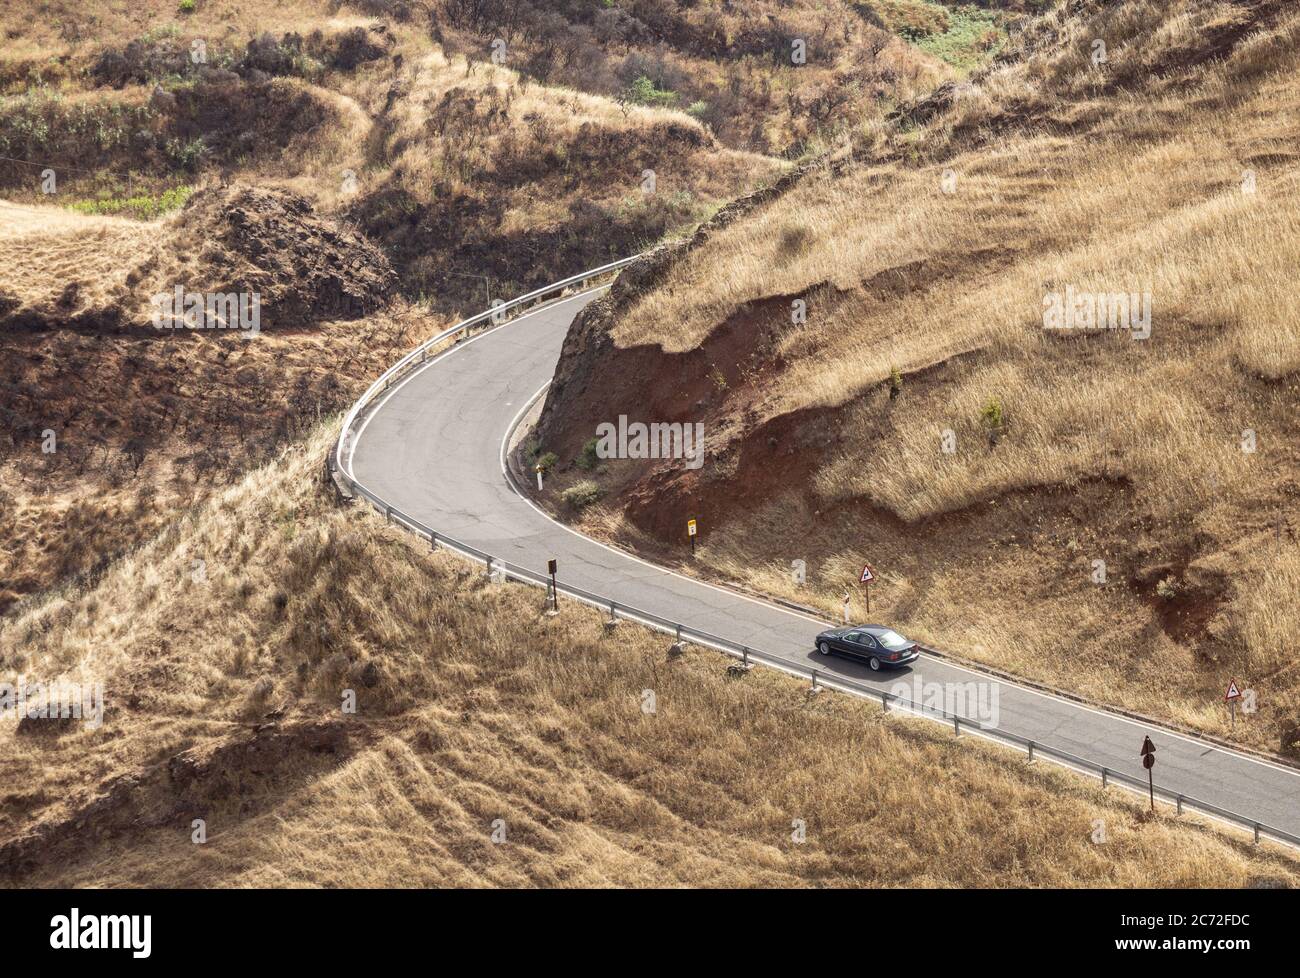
<point>1106,510</point>
<point>227,648</point>
<point>111,424</point>
<point>370,171</point>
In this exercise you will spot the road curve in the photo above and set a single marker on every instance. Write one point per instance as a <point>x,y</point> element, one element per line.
<point>432,448</point>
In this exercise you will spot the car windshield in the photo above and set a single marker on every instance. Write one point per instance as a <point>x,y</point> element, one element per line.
<point>891,639</point>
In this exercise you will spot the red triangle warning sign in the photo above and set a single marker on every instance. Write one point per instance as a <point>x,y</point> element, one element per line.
<point>1233,692</point>
<point>867,574</point>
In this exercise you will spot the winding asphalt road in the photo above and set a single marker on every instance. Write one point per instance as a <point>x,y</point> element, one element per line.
<point>432,447</point>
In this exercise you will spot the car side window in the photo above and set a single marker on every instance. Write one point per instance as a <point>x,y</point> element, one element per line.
<point>866,640</point>
<point>854,637</point>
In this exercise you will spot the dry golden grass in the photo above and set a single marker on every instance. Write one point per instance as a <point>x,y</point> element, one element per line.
<point>1172,170</point>
<point>42,249</point>
<point>467,724</point>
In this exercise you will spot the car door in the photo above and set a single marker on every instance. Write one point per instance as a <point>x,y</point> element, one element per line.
<point>854,644</point>
<point>869,646</point>
<point>862,645</point>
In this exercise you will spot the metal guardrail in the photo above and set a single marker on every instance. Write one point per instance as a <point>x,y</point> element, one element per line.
<point>491,318</point>
<point>685,633</point>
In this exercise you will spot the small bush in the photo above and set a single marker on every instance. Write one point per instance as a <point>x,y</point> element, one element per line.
<point>144,207</point>
<point>991,414</point>
<point>581,494</point>
<point>547,461</point>
<point>1168,588</point>
<point>588,459</point>
<point>187,6</point>
<point>643,92</point>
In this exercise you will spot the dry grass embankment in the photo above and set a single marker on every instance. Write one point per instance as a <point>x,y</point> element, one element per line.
<point>224,694</point>
<point>1171,170</point>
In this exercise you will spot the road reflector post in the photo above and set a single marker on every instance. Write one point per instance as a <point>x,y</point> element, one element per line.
<point>815,688</point>
<point>692,528</point>
<point>1148,756</point>
<point>539,478</point>
<point>551,566</point>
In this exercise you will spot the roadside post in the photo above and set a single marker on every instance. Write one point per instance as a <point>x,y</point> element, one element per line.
<point>1149,762</point>
<point>691,530</point>
<point>555,593</point>
<point>868,575</point>
<point>846,607</point>
<point>1230,697</point>
<point>539,478</point>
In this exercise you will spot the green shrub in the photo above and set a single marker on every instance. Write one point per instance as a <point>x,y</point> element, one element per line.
<point>588,459</point>
<point>186,153</point>
<point>187,6</point>
<point>581,494</point>
<point>991,414</point>
<point>547,461</point>
<point>643,92</point>
<point>144,207</point>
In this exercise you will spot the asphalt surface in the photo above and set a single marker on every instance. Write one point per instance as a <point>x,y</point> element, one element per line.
<point>432,448</point>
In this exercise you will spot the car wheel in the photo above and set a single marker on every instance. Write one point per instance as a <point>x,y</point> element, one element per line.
<point>875,664</point>
<point>823,648</point>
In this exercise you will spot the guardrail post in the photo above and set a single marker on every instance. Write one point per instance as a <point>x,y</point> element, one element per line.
<point>489,568</point>
<point>433,540</point>
<point>1105,777</point>
<point>1180,804</point>
<point>884,701</point>
<point>388,514</point>
<point>1031,752</point>
<point>677,648</point>
<point>815,688</point>
<point>1257,827</point>
<point>744,657</point>
<point>956,726</point>
<point>613,618</point>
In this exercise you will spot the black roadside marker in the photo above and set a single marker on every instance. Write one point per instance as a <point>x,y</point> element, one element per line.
<point>1148,762</point>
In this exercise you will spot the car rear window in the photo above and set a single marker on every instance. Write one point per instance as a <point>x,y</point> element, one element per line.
<point>891,639</point>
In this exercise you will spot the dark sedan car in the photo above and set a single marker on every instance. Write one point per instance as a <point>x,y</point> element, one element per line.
<point>875,645</point>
